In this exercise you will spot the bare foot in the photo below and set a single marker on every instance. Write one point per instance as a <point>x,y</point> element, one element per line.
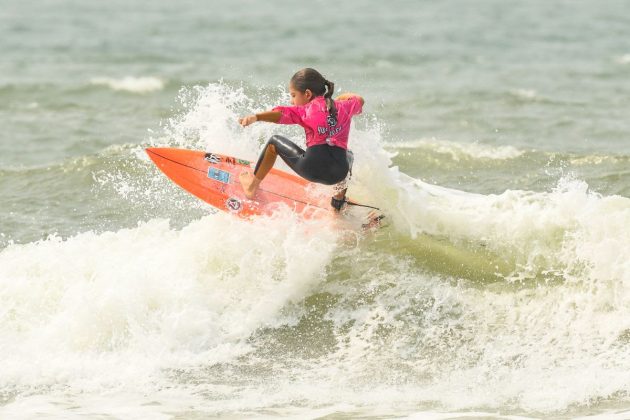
<point>250,184</point>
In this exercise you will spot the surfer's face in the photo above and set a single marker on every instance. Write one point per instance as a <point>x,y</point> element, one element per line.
<point>300,98</point>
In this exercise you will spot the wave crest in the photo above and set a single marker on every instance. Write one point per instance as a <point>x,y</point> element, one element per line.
<point>130,84</point>
<point>460,151</point>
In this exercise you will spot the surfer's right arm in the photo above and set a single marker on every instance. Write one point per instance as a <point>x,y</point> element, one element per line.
<point>267,116</point>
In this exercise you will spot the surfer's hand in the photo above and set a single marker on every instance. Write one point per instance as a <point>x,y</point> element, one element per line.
<point>245,121</point>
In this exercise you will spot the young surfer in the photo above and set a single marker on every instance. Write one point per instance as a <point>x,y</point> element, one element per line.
<point>326,123</point>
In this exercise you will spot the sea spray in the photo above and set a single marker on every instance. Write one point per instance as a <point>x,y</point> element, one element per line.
<point>150,296</point>
<point>208,119</point>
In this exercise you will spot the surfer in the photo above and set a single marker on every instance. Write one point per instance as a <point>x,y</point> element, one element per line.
<point>326,123</point>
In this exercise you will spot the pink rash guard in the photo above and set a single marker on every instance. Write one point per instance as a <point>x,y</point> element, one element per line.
<point>314,118</point>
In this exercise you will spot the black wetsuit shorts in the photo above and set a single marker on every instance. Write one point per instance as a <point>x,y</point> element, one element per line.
<point>323,163</point>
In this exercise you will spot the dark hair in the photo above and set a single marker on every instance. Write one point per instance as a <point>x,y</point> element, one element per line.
<point>312,80</point>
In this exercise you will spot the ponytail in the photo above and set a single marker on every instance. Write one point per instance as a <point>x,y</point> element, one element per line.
<point>311,79</point>
<point>330,103</point>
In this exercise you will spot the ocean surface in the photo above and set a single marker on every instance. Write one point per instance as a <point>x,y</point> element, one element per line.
<point>495,137</point>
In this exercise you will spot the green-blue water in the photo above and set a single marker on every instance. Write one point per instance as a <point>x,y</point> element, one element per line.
<point>495,137</point>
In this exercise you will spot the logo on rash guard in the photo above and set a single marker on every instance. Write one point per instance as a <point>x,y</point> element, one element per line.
<point>328,131</point>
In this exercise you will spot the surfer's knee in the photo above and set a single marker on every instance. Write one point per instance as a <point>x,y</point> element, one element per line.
<point>284,147</point>
<point>275,141</point>
<point>278,139</point>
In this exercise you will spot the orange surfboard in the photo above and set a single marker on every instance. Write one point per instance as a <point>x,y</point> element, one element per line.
<point>214,178</point>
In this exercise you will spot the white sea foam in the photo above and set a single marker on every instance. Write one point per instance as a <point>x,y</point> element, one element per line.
<point>517,338</point>
<point>112,309</point>
<point>130,84</point>
<point>528,94</point>
<point>544,348</point>
<point>209,120</point>
<point>623,59</point>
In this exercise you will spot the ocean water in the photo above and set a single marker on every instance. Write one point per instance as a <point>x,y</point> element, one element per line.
<point>495,137</point>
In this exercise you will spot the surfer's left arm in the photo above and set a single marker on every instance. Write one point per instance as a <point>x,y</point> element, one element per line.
<point>349,95</point>
<point>267,116</point>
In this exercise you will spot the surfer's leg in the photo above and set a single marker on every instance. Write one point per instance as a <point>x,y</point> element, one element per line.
<point>338,200</point>
<point>251,181</point>
<point>288,151</point>
<point>277,145</point>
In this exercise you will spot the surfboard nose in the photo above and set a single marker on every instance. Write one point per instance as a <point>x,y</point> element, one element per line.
<point>189,158</point>
<point>153,152</point>
<point>162,152</point>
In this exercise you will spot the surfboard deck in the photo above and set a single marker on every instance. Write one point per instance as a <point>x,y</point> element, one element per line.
<point>214,178</point>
